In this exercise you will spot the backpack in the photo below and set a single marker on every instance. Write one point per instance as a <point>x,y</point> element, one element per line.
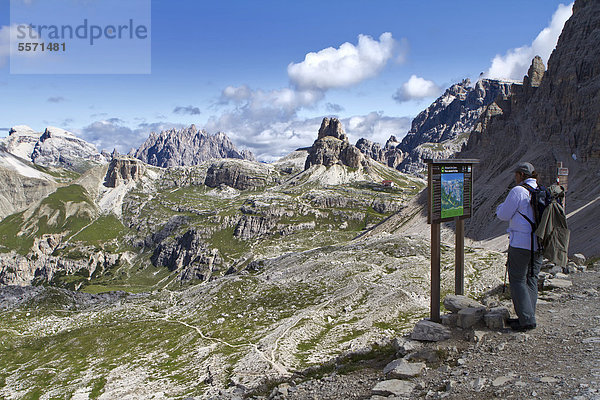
<point>540,200</point>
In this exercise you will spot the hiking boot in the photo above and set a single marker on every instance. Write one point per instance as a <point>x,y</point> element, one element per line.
<point>515,326</point>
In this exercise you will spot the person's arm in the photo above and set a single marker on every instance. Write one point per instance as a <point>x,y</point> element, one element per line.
<point>506,210</point>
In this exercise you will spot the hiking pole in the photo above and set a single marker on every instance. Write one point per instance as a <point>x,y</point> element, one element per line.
<point>505,274</point>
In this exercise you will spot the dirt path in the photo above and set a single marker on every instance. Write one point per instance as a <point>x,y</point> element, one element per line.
<point>558,360</point>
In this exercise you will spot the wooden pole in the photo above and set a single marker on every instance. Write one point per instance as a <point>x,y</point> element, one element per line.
<point>459,257</point>
<point>435,272</point>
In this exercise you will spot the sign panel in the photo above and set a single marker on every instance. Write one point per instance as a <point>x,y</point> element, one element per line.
<point>450,190</point>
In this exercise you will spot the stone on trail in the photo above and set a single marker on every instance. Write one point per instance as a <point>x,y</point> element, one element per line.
<point>468,317</point>
<point>404,346</point>
<point>430,331</point>
<point>401,369</point>
<point>557,283</point>
<point>579,259</point>
<point>449,319</point>
<point>548,379</point>
<point>557,269</point>
<point>501,380</point>
<point>393,387</point>
<point>496,317</point>
<point>456,302</point>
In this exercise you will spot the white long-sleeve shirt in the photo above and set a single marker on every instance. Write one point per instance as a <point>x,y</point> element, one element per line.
<point>519,230</point>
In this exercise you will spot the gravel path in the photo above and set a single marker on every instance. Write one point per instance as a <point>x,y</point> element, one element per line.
<point>558,360</point>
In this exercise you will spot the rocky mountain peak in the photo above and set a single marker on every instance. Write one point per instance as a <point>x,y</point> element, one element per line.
<point>188,146</point>
<point>535,73</point>
<point>392,142</point>
<point>332,147</point>
<point>54,147</point>
<point>441,129</point>
<point>332,127</point>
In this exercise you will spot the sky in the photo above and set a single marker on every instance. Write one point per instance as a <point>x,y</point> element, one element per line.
<point>264,72</point>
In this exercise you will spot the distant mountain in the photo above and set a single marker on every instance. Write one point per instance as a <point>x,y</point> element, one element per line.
<point>440,130</point>
<point>21,183</point>
<point>54,147</point>
<point>188,146</point>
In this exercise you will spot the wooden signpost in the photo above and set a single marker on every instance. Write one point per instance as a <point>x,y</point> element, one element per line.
<point>450,198</point>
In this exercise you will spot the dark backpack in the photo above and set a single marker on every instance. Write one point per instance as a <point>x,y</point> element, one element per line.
<point>540,200</point>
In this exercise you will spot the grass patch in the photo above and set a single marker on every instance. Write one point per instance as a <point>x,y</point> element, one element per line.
<point>103,229</point>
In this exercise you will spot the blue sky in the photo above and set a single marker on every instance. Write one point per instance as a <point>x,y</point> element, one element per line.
<point>241,67</point>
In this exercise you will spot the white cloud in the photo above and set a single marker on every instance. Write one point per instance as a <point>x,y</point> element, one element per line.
<point>515,63</point>
<point>344,66</point>
<point>375,127</point>
<point>416,88</point>
<point>267,123</point>
<point>236,94</point>
<point>288,100</point>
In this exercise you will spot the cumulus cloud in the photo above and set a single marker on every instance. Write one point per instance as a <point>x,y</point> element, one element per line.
<point>375,126</point>
<point>344,66</point>
<point>187,110</point>
<point>267,121</point>
<point>416,88</point>
<point>515,63</point>
<point>286,99</point>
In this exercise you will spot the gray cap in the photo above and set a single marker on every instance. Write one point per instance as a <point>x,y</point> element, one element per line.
<point>526,168</point>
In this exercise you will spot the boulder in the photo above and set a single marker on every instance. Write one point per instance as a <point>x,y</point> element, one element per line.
<point>496,317</point>
<point>467,317</point>
<point>455,303</point>
<point>393,387</point>
<point>579,259</point>
<point>450,319</point>
<point>404,346</point>
<point>402,369</point>
<point>430,331</point>
<point>557,283</point>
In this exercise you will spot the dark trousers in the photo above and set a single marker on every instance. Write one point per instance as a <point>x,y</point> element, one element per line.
<point>524,282</point>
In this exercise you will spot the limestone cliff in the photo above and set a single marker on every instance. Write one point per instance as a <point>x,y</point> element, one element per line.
<point>553,117</point>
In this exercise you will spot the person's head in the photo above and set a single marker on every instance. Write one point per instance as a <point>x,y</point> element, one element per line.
<point>523,171</point>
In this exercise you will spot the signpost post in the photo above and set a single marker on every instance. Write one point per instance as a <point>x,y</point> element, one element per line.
<point>450,198</point>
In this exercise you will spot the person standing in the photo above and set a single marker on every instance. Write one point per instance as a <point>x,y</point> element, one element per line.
<point>522,276</point>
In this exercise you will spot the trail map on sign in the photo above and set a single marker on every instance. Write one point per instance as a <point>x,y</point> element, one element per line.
<point>450,190</point>
<point>452,194</point>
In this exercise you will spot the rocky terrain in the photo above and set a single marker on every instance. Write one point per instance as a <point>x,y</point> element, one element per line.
<point>188,146</point>
<point>558,360</point>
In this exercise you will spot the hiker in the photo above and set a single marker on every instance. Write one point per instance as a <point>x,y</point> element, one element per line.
<point>522,276</point>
